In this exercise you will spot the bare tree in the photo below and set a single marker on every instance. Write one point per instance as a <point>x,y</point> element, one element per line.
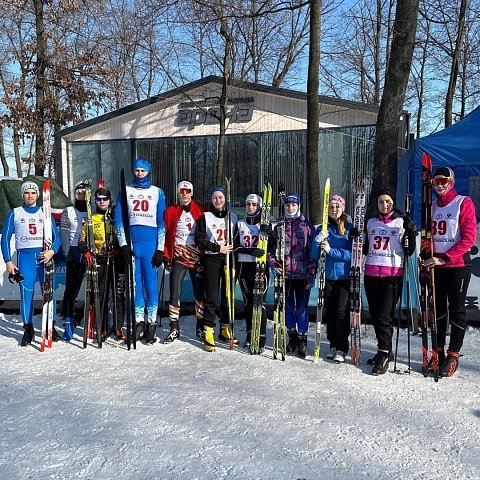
<point>396,81</point>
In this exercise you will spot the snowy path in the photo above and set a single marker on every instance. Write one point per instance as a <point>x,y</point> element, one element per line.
<point>176,411</point>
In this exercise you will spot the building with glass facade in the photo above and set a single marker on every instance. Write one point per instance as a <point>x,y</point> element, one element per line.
<point>265,141</point>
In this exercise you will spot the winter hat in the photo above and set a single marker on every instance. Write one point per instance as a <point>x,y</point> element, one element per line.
<point>185,185</point>
<point>103,191</point>
<point>338,199</point>
<point>388,192</point>
<point>29,186</point>
<point>253,197</point>
<point>220,189</point>
<point>141,163</point>
<point>80,185</point>
<point>444,172</point>
<point>292,198</point>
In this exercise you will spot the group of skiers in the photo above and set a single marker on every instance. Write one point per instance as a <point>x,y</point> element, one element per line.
<point>187,237</point>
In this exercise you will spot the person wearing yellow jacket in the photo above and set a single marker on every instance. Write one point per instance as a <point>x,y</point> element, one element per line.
<point>110,265</point>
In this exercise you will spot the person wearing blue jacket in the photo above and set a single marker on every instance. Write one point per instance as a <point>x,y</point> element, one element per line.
<point>25,223</point>
<point>146,204</point>
<point>338,249</point>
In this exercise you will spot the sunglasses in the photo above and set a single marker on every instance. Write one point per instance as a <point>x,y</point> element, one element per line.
<point>441,181</point>
<point>101,199</point>
<point>184,191</point>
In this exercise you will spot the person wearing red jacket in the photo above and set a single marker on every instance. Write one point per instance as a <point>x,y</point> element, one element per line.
<point>181,254</point>
<point>454,231</point>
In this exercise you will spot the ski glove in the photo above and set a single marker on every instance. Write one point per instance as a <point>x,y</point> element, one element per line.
<point>167,265</point>
<point>157,258</point>
<point>256,252</point>
<point>16,277</point>
<point>409,225</point>
<point>126,253</point>
<point>353,233</point>
<point>264,228</point>
<point>88,258</point>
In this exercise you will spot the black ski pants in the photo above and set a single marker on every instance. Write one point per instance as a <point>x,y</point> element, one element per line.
<point>214,272</point>
<point>382,295</point>
<point>451,285</point>
<point>75,272</point>
<point>336,296</point>
<point>177,276</point>
<point>246,278</point>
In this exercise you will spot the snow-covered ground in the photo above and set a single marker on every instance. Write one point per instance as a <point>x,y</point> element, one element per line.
<point>176,411</point>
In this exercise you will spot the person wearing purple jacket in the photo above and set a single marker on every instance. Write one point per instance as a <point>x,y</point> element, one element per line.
<point>300,272</point>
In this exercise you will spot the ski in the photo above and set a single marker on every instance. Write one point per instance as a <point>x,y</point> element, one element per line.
<point>129,274</point>
<point>230,267</point>
<point>427,277</point>
<point>48,272</point>
<point>260,286</point>
<point>93,308</point>
<point>356,273</point>
<point>321,273</point>
<point>279,327</point>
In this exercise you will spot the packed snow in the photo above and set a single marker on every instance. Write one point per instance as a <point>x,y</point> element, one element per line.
<point>176,411</point>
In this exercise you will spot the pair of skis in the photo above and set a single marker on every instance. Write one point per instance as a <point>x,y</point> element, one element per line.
<point>356,273</point>
<point>93,313</point>
<point>321,272</point>
<point>260,286</point>
<point>279,326</point>
<point>230,266</point>
<point>48,273</point>
<point>427,277</point>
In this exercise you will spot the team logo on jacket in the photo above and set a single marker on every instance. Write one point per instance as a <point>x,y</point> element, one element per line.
<point>393,233</point>
<point>439,216</point>
<point>449,215</point>
<point>23,239</point>
<point>22,220</point>
<point>141,197</point>
<point>213,225</point>
<point>32,220</point>
<point>382,232</point>
<point>131,195</point>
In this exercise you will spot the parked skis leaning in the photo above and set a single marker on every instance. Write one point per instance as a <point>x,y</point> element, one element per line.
<point>261,277</point>
<point>356,273</point>
<point>230,267</point>
<point>321,272</point>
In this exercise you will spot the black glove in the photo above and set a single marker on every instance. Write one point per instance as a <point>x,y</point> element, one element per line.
<point>167,265</point>
<point>409,224</point>
<point>257,252</point>
<point>157,258</point>
<point>354,233</point>
<point>264,228</point>
<point>126,253</point>
<point>16,277</point>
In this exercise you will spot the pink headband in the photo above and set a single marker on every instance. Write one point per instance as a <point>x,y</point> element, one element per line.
<point>338,199</point>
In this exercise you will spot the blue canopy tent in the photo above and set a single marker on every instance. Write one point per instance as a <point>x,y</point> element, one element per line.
<point>457,147</point>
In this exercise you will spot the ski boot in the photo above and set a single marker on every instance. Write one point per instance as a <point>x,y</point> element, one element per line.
<point>28,335</point>
<point>381,364</point>
<point>331,353</point>
<point>302,345</point>
<point>340,356</point>
<point>119,335</point>
<point>174,332</point>
<point>441,359</point>
<point>225,334</point>
<point>55,336</point>
<point>69,326</point>
<point>200,332</point>
<point>248,341</point>
<point>450,364</point>
<point>150,334</point>
<point>373,360</point>
<point>292,340</point>
<point>140,330</point>
<point>209,339</point>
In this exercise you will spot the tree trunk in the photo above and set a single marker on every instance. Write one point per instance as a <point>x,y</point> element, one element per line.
<point>396,81</point>
<point>313,114</point>
<point>452,84</point>
<point>3,158</point>
<point>41,66</point>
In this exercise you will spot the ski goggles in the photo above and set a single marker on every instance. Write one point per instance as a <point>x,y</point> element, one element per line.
<point>184,191</point>
<point>101,198</point>
<point>441,181</point>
